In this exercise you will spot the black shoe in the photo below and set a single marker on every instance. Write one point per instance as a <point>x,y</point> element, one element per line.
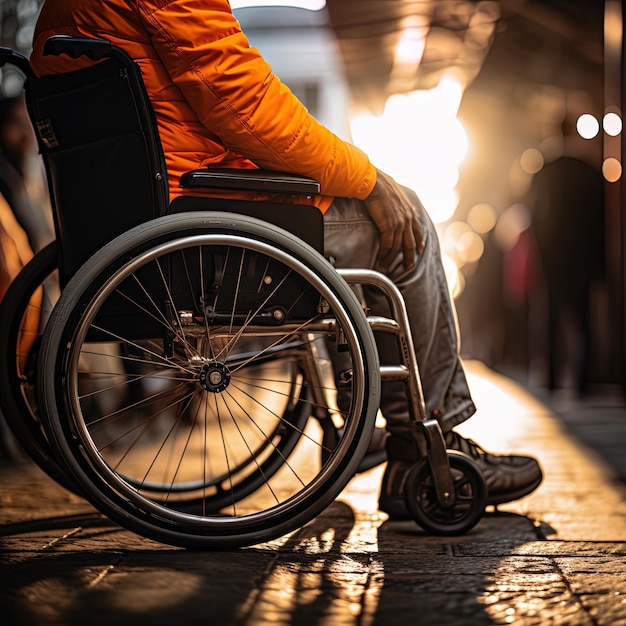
<point>391,499</point>
<point>508,476</point>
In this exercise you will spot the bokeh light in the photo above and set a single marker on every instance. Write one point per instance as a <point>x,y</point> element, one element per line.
<point>587,126</point>
<point>532,160</point>
<point>612,124</point>
<point>612,169</point>
<point>482,217</point>
<point>511,224</point>
<point>451,234</point>
<point>470,247</point>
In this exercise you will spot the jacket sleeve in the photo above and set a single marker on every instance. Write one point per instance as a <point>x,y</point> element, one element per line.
<point>235,94</point>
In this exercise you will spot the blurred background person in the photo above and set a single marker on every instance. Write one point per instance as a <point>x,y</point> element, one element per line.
<point>15,252</point>
<point>25,222</point>
<point>22,178</point>
<point>567,203</point>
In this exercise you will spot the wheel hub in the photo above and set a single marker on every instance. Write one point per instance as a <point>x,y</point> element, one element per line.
<point>214,377</point>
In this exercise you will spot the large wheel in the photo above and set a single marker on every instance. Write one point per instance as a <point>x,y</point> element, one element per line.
<point>179,371</point>
<point>25,307</point>
<point>24,310</point>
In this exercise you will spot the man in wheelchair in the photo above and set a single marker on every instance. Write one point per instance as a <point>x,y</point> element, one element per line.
<point>217,102</point>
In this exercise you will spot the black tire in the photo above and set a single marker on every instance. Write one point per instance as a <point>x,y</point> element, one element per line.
<point>30,295</point>
<point>230,483</point>
<point>469,502</point>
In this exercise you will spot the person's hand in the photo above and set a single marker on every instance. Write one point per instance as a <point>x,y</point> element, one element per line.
<point>395,218</point>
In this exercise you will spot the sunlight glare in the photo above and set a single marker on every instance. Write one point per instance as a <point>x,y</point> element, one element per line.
<point>411,45</point>
<point>311,5</point>
<point>419,141</point>
<point>454,277</point>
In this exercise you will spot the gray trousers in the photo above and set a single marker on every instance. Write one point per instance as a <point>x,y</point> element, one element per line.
<point>352,239</point>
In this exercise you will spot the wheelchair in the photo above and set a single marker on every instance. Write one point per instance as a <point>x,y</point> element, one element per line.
<point>206,378</point>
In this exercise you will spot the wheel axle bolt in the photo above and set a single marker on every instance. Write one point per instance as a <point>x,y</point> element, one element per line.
<point>214,377</point>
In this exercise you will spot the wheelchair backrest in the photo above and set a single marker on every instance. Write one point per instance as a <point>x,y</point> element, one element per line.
<point>98,138</point>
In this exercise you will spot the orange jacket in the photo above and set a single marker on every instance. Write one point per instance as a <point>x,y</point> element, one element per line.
<point>215,98</point>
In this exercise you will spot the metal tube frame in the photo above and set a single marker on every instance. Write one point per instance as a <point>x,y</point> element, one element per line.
<point>426,429</point>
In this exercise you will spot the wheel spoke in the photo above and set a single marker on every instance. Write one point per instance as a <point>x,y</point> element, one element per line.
<point>201,404</point>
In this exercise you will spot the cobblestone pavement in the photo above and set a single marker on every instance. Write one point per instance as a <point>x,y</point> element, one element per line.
<point>556,557</point>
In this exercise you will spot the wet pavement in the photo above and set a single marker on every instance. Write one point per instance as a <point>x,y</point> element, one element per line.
<point>556,557</point>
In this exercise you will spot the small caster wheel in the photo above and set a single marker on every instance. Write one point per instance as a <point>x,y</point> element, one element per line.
<point>469,501</point>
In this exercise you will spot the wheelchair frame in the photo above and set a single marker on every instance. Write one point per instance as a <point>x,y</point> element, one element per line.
<point>45,401</point>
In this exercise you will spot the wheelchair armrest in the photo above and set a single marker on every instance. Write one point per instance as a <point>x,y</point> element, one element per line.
<point>257,180</point>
